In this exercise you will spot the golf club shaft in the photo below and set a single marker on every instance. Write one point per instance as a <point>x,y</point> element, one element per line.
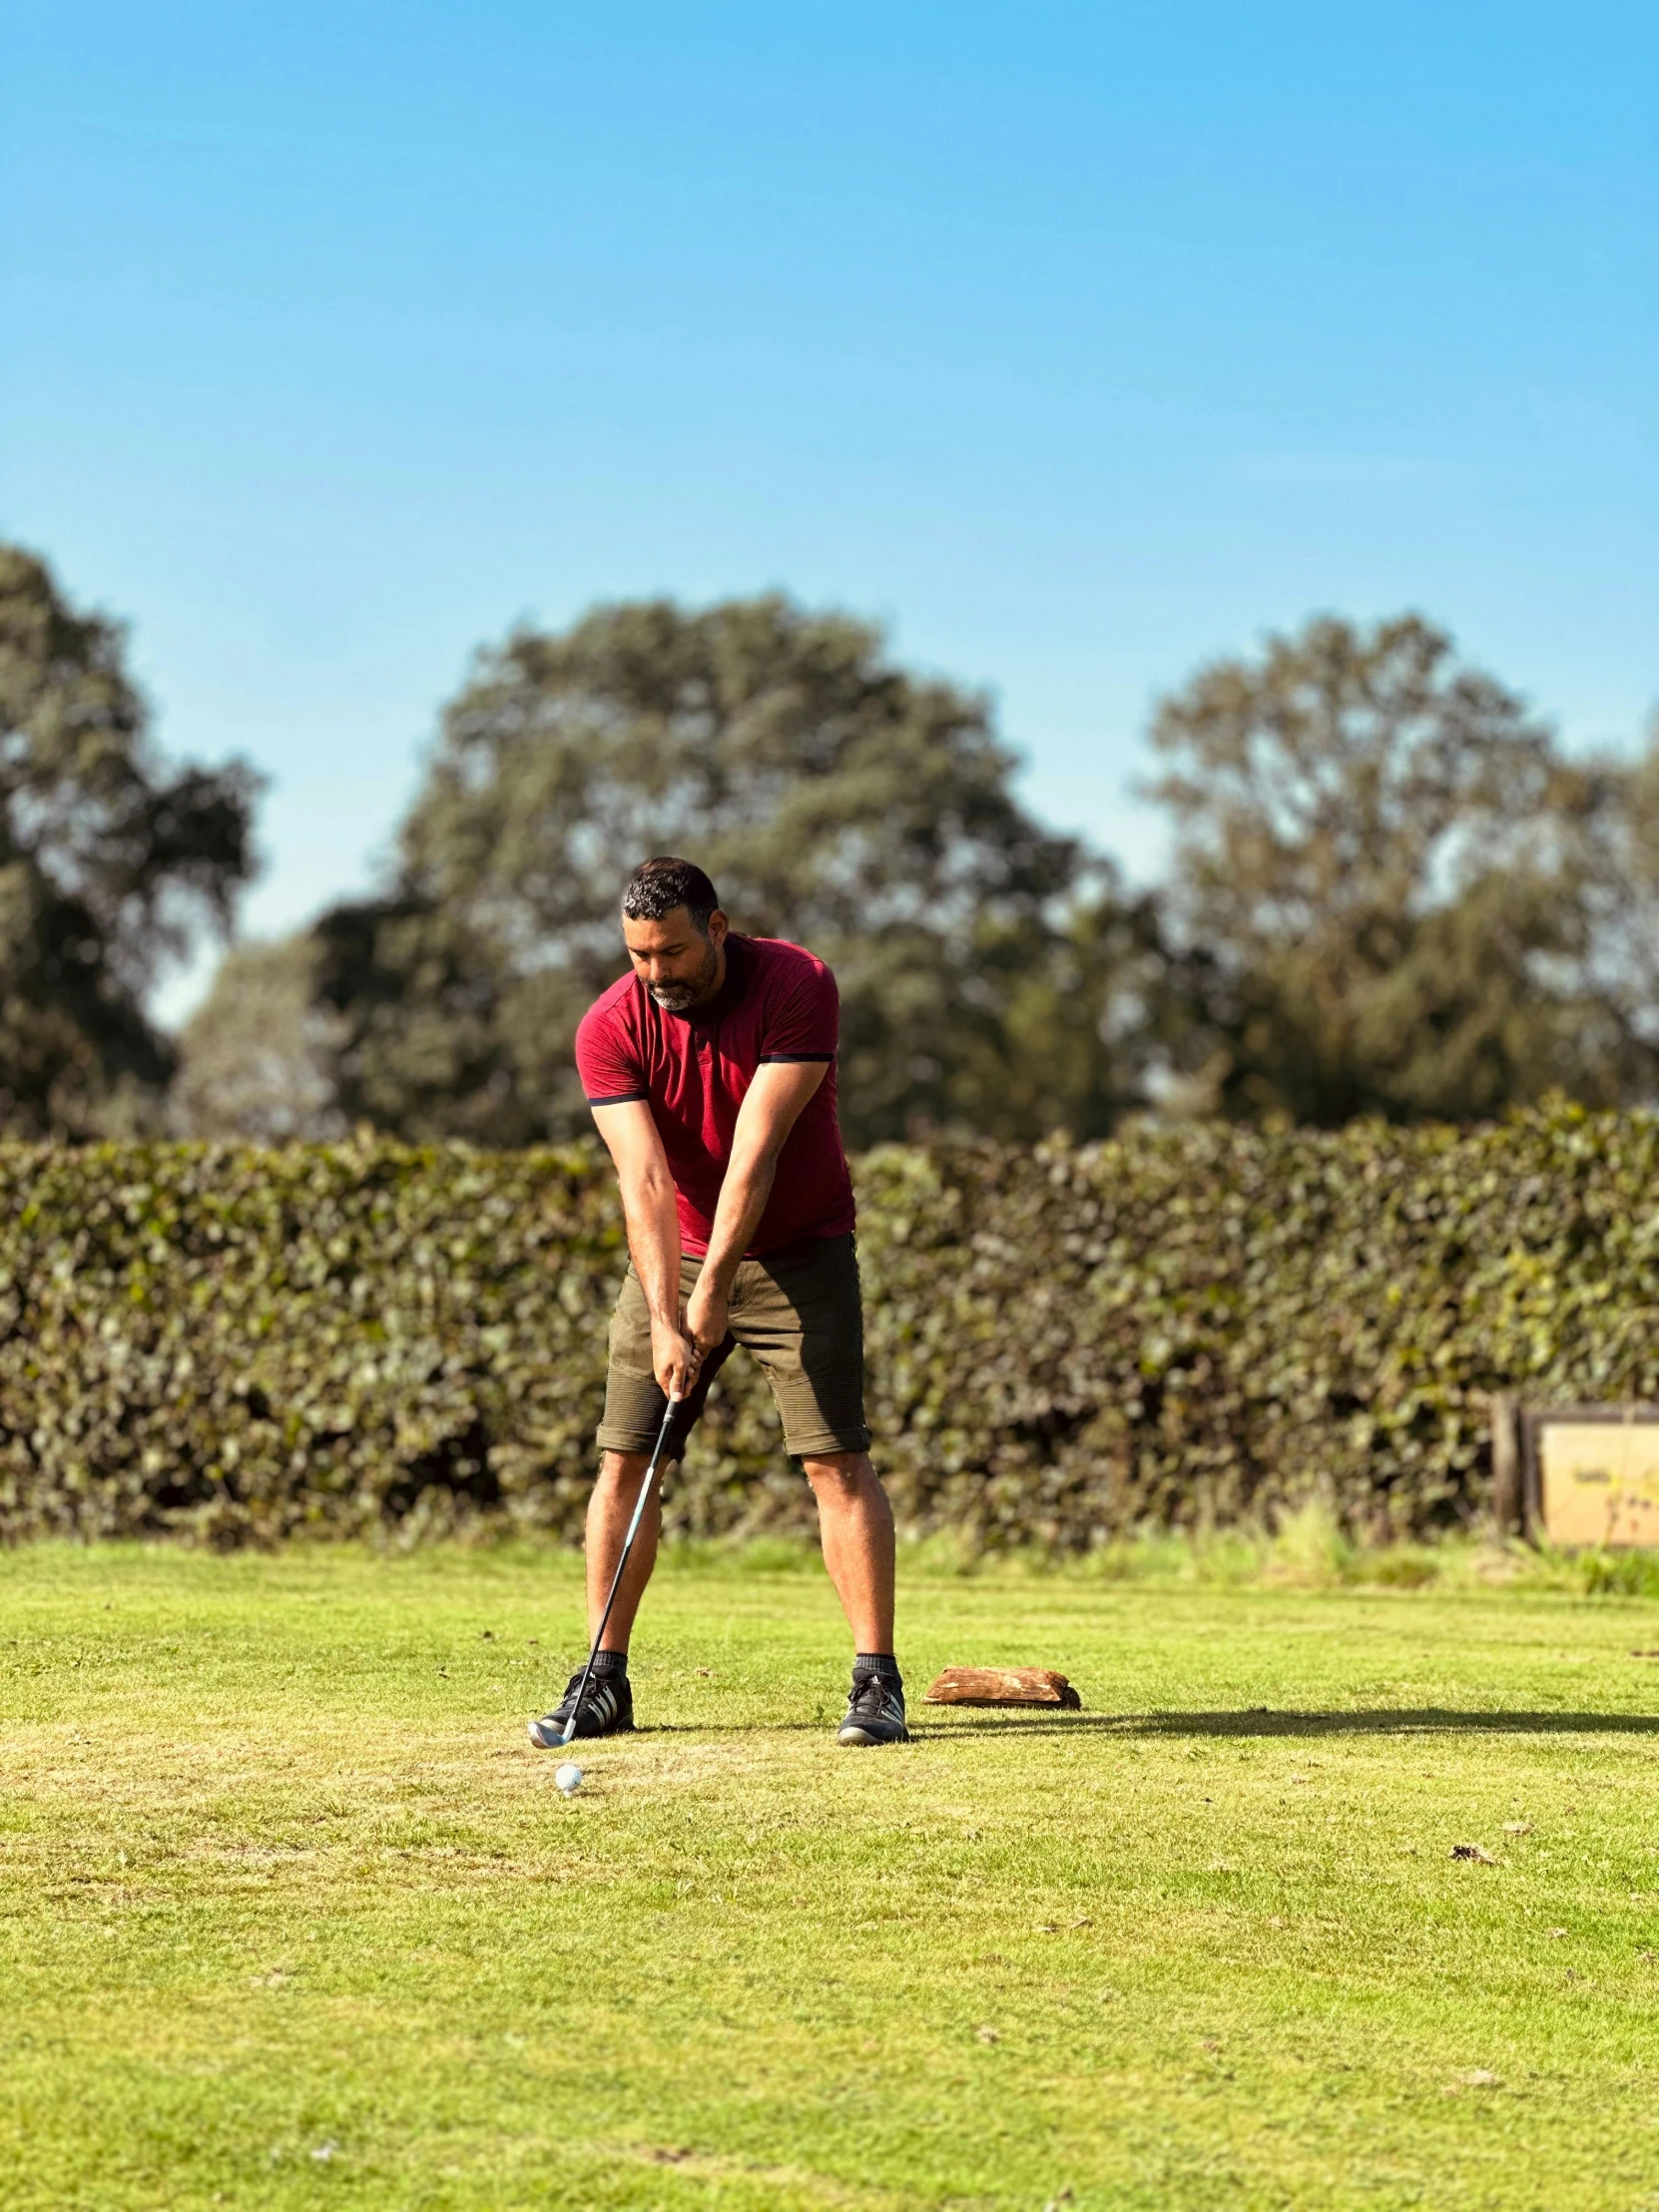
<point>621,1569</point>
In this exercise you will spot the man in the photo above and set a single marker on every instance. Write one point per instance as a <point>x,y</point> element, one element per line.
<point>711,1075</point>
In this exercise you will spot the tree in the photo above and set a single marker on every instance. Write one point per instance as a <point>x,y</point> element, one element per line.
<point>1621,871</point>
<point>109,861</point>
<point>1388,877</point>
<point>834,798</point>
<point>256,1059</point>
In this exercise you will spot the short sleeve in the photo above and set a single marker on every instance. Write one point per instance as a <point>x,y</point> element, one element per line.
<point>805,1022</point>
<point>607,1061</point>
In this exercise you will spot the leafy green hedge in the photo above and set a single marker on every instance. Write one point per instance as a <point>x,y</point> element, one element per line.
<point>1181,1326</point>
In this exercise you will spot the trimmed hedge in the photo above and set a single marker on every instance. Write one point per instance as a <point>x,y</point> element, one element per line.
<point>1177,1327</point>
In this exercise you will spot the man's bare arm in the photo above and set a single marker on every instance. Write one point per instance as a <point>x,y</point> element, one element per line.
<point>652,1223</point>
<point>770,1110</point>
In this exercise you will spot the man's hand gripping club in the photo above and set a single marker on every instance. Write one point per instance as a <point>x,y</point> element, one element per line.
<point>675,1356</point>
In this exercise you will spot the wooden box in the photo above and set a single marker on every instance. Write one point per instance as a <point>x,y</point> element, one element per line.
<point>1589,1474</point>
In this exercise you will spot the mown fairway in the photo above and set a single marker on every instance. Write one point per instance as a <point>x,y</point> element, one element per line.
<point>290,1913</point>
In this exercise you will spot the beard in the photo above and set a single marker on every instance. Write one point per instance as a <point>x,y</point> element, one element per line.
<point>678,998</point>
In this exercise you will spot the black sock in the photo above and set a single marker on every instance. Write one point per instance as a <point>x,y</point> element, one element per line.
<point>611,1662</point>
<point>882,1664</point>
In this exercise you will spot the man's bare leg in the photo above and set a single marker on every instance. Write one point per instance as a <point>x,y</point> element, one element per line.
<point>855,1524</point>
<point>610,1509</point>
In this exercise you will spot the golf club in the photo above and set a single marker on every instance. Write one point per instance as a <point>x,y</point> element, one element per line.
<point>569,1735</point>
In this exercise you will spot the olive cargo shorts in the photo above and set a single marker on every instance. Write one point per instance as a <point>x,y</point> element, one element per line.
<point>799,1312</point>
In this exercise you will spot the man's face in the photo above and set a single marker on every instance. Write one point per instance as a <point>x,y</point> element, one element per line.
<point>676,962</point>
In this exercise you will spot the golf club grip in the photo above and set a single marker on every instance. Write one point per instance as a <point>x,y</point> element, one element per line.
<point>569,1736</point>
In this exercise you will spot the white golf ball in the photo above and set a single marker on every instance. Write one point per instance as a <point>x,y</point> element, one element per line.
<point>568,1779</point>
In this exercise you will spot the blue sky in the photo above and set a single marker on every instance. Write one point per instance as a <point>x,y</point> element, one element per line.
<point>1079,344</point>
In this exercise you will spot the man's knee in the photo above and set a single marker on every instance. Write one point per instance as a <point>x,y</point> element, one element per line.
<point>619,1469</point>
<point>837,1471</point>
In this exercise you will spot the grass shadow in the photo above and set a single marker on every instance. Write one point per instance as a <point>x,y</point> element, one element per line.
<point>1260,1720</point>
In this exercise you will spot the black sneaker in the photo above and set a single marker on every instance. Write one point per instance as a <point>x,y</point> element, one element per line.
<point>875,1713</point>
<point>606,1710</point>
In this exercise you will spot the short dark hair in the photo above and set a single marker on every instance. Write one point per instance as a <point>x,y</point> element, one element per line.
<point>657,887</point>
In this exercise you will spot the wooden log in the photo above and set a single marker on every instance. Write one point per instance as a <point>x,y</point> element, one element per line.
<point>1003,1686</point>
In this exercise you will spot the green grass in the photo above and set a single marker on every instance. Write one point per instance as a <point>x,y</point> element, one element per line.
<point>290,1914</point>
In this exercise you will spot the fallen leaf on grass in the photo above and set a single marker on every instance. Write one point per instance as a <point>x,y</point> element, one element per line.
<point>1478,1851</point>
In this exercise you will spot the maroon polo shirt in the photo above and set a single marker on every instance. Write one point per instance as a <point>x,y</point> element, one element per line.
<point>693,1069</point>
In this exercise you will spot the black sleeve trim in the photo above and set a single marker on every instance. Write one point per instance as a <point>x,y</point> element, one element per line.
<point>793,1059</point>
<point>623,1098</point>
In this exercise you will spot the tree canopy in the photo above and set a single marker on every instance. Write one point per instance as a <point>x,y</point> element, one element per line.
<point>834,798</point>
<point>110,862</point>
<point>1392,894</point>
<point>1389,875</point>
<point>256,1060</point>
